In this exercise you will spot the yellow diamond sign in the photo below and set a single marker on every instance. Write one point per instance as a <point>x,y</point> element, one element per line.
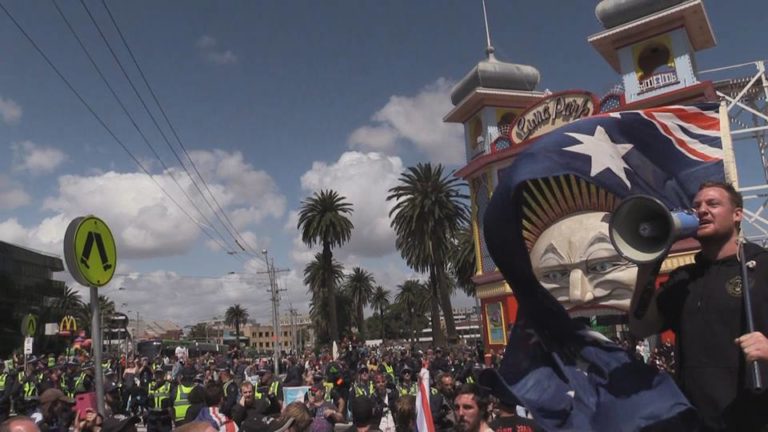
<point>90,252</point>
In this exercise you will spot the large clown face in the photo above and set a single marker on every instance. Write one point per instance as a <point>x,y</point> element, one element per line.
<point>576,262</point>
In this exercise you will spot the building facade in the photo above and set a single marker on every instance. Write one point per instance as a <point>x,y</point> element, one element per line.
<point>27,287</point>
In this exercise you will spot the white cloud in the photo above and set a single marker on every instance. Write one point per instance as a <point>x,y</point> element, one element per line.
<point>415,121</point>
<point>364,179</point>
<point>36,159</point>
<point>10,110</point>
<point>210,51</point>
<point>144,221</point>
<point>12,194</point>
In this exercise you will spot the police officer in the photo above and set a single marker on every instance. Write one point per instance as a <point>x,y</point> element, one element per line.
<point>406,386</point>
<point>363,386</point>
<point>160,416</point>
<point>230,391</point>
<point>273,390</point>
<point>181,396</point>
<point>6,383</point>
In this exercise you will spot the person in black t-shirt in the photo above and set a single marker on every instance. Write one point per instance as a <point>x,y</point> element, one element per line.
<point>508,420</point>
<point>703,304</point>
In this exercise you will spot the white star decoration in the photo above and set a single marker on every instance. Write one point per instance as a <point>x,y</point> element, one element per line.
<point>605,154</point>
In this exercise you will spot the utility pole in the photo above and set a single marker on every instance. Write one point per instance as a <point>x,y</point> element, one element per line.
<point>294,341</point>
<point>275,293</point>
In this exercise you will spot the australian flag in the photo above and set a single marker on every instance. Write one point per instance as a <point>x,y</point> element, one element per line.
<point>568,378</point>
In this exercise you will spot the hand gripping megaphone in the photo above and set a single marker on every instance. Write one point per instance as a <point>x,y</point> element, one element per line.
<point>643,230</point>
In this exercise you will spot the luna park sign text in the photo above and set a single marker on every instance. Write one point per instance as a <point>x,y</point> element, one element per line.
<point>552,112</point>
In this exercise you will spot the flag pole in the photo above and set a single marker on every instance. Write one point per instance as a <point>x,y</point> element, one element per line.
<point>731,176</point>
<point>729,159</point>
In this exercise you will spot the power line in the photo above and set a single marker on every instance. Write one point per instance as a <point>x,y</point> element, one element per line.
<point>95,115</point>
<point>133,121</point>
<point>175,134</point>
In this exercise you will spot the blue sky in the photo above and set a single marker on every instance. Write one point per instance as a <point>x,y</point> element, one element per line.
<point>273,100</point>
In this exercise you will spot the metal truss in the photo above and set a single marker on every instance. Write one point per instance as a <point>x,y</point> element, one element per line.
<point>746,101</point>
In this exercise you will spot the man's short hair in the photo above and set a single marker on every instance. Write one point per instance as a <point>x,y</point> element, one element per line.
<point>362,411</point>
<point>214,392</point>
<point>246,384</point>
<point>480,397</point>
<point>736,199</point>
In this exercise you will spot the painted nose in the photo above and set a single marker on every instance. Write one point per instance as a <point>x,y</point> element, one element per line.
<point>580,291</point>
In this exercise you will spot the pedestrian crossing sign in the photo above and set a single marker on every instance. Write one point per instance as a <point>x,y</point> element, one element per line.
<point>90,252</point>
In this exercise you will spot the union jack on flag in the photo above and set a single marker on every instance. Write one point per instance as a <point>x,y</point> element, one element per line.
<point>665,152</point>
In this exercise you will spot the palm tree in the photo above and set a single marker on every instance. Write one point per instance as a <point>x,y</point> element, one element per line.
<point>428,212</point>
<point>359,287</point>
<point>413,297</point>
<point>316,277</point>
<point>235,315</point>
<point>380,300</point>
<point>69,302</point>
<point>463,260</point>
<point>83,314</point>
<point>323,221</point>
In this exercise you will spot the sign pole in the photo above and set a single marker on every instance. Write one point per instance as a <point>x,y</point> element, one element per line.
<point>96,339</point>
<point>91,257</point>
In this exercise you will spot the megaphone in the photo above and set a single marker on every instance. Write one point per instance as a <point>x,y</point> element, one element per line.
<point>643,230</point>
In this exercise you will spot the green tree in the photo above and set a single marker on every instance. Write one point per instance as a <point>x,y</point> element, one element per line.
<point>429,210</point>
<point>69,303</point>
<point>463,260</point>
<point>359,287</point>
<point>380,301</point>
<point>83,314</point>
<point>413,298</point>
<point>318,276</point>
<point>323,221</point>
<point>199,331</point>
<point>234,316</point>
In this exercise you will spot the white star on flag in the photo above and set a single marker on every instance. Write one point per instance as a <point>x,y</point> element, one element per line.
<point>605,154</point>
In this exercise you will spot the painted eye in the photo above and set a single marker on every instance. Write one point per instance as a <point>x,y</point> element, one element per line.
<point>602,267</point>
<point>554,276</point>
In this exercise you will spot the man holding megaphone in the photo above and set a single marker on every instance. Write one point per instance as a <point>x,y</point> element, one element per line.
<point>721,362</point>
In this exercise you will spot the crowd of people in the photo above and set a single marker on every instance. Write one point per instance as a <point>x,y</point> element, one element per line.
<point>368,388</point>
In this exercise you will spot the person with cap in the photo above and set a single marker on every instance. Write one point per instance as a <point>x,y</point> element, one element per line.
<point>324,413</point>
<point>160,416</point>
<point>230,391</point>
<point>196,400</point>
<point>388,369</point>
<point>69,377</point>
<point>180,396</point>
<point>406,386</point>
<point>85,383</point>
<point>335,388</point>
<point>113,401</point>
<point>271,389</point>
<point>363,386</point>
<point>54,412</point>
